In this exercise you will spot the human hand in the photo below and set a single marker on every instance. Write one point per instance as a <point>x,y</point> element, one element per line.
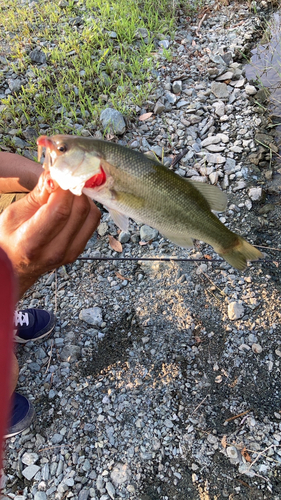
<point>46,230</point>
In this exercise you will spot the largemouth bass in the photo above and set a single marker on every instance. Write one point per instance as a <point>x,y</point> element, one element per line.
<point>129,184</point>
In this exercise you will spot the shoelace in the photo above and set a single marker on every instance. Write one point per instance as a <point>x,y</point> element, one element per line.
<point>21,318</point>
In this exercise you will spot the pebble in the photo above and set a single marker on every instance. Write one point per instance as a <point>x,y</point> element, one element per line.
<point>235,310</point>
<point>110,489</point>
<point>220,90</point>
<point>255,193</point>
<point>257,348</point>
<point>147,233</point>
<point>29,458</point>
<point>113,120</point>
<point>40,495</point>
<point>92,316</point>
<point>38,56</point>
<point>30,471</point>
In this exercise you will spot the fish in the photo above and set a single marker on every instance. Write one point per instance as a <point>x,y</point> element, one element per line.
<point>131,185</point>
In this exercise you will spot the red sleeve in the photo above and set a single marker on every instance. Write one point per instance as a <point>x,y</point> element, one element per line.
<point>7,304</point>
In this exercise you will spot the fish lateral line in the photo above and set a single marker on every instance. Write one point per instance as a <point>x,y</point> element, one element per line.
<point>97,180</point>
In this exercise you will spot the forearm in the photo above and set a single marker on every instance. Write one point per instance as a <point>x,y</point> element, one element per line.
<point>17,173</point>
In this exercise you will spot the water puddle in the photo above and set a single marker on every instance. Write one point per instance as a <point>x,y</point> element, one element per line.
<point>265,67</point>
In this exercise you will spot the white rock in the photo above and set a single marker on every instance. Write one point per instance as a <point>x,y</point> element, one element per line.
<point>232,452</point>
<point>215,158</point>
<point>235,310</point>
<point>255,193</point>
<point>219,108</point>
<point>93,316</point>
<point>213,139</point>
<point>29,458</point>
<point>120,474</point>
<point>214,177</point>
<point>30,471</point>
<point>250,89</point>
<point>256,348</point>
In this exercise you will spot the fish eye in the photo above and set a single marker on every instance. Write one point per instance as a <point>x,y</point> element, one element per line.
<point>62,149</point>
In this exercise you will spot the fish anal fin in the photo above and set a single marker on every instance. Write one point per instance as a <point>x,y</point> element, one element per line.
<point>182,240</point>
<point>120,220</point>
<point>216,198</point>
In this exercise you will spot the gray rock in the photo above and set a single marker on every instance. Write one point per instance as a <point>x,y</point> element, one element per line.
<point>194,119</point>
<point>110,489</point>
<point>124,237</point>
<point>226,76</point>
<point>37,56</point>
<point>220,90</point>
<point>215,158</point>
<point>171,98</point>
<point>182,103</point>
<point>113,120</point>
<point>147,233</point>
<point>84,494</point>
<point>141,33</point>
<point>93,316</point>
<point>164,44</point>
<point>177,86</point>
<point>235,310</point>
<point>57,438</point>
<point>157,150</point>
<point>112,34</point>
<point>213,139</point>
<point>70,353</point>
<point>19,143</point>
<point>40,495</point>
<point>14,85</point>
<point>29,458</point>
<point>230,166</point>
<point>159,108</point>
<point>30,471</point>
<point>219,108</point>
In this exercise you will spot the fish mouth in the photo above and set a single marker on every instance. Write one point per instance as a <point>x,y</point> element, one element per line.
<point>50,156</point>
<point>67,177</point>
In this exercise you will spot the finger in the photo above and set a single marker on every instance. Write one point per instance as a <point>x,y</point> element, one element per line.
<point>79,242</point>
<point>49,220</point>
<point>72,239</point>
<point>22,210</point>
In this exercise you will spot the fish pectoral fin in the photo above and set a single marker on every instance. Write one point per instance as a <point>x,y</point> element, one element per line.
<point>120,220</point>
<point>182,240</point>
<point>216,198</point>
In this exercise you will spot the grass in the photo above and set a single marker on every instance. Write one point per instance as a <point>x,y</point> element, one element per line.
<point>85,66</point>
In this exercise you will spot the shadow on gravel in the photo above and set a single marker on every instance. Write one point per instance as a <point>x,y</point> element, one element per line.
<point>113,348</point>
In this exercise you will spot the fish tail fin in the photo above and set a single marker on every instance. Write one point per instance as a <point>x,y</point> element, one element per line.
<point>239,254</point>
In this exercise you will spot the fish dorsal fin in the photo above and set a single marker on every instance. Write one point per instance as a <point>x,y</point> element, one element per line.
<point>120,220</point>
<point>182,240</point>
<point>216,198</point>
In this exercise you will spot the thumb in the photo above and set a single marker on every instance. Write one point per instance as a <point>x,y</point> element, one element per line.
<point>22,210</point>
<point>36,198</point>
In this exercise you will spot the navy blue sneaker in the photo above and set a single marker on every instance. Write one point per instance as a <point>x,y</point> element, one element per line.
<point>22,415</point>
<point>33,324</point>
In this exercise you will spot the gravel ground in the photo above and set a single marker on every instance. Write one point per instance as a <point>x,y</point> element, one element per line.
<point>162,379</point>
